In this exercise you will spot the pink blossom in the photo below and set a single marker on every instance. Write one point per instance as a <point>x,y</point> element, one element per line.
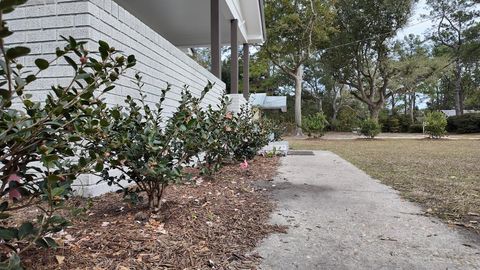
<point>244,165</point>
<point>14,193</point>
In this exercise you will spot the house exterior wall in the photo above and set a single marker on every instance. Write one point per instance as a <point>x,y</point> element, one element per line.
<point>40,23</point>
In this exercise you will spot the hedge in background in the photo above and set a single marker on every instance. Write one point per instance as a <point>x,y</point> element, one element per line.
<point>467,123</point>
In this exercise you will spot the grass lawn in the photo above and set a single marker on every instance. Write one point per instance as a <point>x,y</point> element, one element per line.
<point>443,176</point>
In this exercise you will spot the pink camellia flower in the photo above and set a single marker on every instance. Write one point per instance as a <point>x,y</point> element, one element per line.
<point>229,115</point>
<point>14,193</point>
<point>244,165</point>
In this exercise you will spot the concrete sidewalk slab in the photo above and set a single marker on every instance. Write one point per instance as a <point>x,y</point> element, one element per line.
<point>340,218</point>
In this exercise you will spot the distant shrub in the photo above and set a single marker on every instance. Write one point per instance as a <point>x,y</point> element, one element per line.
<point>370,128</point>
<point>395,123</point>
<point>467,123</point>
<point>406,123</point>
<point>347,120</point>
<point>278,128</point>
<point>416,128</point>
<point>248,135</point>
<point>435,124</point>
<point>314,125</point>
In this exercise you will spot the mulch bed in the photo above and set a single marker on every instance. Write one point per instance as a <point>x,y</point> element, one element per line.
<point>209,225</point>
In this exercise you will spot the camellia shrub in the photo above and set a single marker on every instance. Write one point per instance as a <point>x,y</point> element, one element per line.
<point>42,144</point>
<point>314,125</point>
<point>370,128</point>
<point>248,136</point>
<point>435,125</point>
<point>150,151</point>
<point>218,124</point>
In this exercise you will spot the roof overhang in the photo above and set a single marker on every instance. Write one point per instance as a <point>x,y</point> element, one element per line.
<point>186,23</point>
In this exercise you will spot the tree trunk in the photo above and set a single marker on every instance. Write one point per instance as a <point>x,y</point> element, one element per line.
<point>374,112</point>
<point>320,105</point>
<point>298,100</point>
<point>458,88</point>
<point>155,197</point>
<point>412,106</point>
<point>393,104</point>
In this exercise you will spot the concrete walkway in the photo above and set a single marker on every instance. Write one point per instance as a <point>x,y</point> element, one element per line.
<point>340,218</point>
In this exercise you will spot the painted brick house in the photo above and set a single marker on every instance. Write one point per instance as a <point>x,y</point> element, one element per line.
<point>157,32</point>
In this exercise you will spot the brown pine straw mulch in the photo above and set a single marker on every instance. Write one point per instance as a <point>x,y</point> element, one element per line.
<point>211,225</point>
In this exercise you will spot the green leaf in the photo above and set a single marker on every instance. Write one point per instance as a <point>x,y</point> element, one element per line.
<point>52,179</point>
<point>103,49</point>
<point>42,64</point>
<point>30,78</point>
<point>108,88</point>
<point>50,158</point>
<point>104,122</point>
<point>99,166</point>
<point>46,242</point>
<point>10,4</point>
<point>16,52</point>
<point>8,234</point>
<point>51,242</point>
<point>58,191</point>
<point>83,76</point>
<point>5,93</point>
<point>74,138</point>
<point>71,62</point>
<point>25,229</point>
<point>115,114</point>
<point>3,206</point>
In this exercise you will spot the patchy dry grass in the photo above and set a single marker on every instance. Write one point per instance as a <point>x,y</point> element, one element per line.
<point>443,176</point>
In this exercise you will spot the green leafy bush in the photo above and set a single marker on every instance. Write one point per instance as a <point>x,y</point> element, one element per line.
<point>416,128</point>
<point>217,125</point>
<point>347,120</point>
<point>149,151</point>
<point>406,123</point>
<point>42,144</point>
<point>278,129</point>
<point>370,128</point>
<point>315,125</point>
<point>435,124</point>
<point>248,135</point>
<point>467,123</point>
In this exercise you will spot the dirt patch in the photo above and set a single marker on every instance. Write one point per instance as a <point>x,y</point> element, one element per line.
<point>209,225</point>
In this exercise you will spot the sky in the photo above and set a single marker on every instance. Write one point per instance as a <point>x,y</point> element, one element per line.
<point>416,24</point>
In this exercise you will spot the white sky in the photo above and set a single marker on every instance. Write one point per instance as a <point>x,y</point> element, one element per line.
<point>416,24</point>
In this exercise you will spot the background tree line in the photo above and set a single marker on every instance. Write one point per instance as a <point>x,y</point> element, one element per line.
<point>343,58</point>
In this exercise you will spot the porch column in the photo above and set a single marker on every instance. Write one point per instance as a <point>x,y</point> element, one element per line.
<point>246,70</point>
<point>215,37</point>
<point>234,57</point>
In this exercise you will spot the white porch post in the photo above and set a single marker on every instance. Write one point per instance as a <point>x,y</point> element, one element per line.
<point>234,56</point>
<point>215,37</point>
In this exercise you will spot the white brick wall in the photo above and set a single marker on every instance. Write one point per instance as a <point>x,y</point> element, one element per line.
<point>40,23</point>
